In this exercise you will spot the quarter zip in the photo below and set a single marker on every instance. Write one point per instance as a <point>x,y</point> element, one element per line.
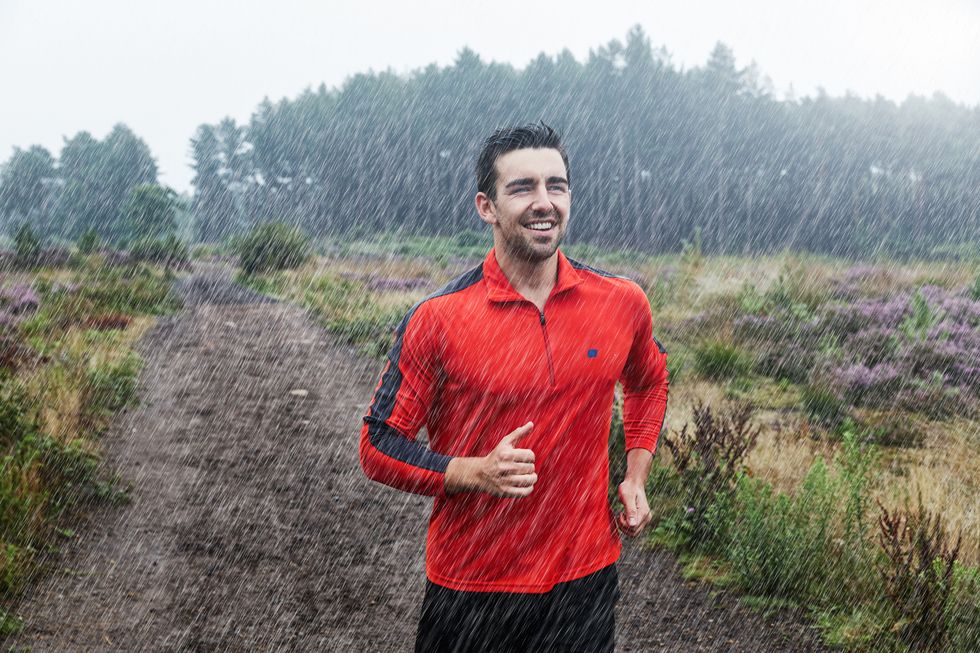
<point>547,349</point>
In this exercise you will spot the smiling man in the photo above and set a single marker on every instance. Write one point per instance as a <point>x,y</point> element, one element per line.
<point>511,368</point>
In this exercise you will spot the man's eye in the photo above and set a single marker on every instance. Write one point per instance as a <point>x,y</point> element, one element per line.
<point>557,187</point>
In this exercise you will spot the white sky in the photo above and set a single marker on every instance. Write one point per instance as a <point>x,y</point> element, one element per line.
<point>164,68</point>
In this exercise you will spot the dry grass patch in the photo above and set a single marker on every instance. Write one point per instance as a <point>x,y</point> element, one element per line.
<point>947,472</point>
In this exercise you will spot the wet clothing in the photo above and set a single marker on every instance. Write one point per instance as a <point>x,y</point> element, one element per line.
<point>575,616</point>
<point>474,361</point>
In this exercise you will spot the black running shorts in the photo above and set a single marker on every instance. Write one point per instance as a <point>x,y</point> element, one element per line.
<point>578,615</point>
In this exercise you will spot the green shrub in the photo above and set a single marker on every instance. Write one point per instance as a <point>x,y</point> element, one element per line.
<point>371,329</point>
<point>823,405</point>
<point>88,241</point>
<point>719,361</point>
<point>813,546</point>
<point>140,292</point>
<point>661,294</point>
<point>778,547</point>
<point>677,364</point>
<point>334,297</point>
<point>27,245</point>
<point>975,289</point>
<point>750,300</point>
<point>470,238</point>
<point>111,385</point>
<point>963,611</point>
<point>10,624</point>
<point>167,250</point>
<point>15,415</point>
<point>921,319</point>
<point>795,292</point>
<point>273,284</point>
<point>272,246</point>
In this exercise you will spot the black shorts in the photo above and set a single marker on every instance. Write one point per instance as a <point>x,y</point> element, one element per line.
<point>578,615</point>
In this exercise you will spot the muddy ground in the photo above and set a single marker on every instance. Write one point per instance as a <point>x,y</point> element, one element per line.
<point>251,527</point>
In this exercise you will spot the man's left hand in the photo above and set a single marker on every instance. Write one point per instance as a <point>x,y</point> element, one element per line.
<point>636,511</point>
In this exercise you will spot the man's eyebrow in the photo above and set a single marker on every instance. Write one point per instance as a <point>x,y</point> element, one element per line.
<point>524,181</point>
<point>528,181</point>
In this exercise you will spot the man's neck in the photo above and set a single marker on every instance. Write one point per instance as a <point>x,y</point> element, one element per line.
<point>533,279</point>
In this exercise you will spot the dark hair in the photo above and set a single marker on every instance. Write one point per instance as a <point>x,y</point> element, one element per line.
<point>508,139</point>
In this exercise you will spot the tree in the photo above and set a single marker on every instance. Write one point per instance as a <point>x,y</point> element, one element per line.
<point>27,184</point>
<point>151,212</point>
<point>272,246</point>
<point>27,245</point>
<point>98,177</point>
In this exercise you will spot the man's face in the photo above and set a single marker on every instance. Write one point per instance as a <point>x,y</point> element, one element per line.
<point>530,213</point>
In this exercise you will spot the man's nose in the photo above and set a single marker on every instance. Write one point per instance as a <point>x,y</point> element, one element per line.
<point>541,201</point>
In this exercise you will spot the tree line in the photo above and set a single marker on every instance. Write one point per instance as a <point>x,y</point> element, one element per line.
<point>658,155</point>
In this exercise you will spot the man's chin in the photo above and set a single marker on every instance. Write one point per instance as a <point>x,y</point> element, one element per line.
<point>536,254</point>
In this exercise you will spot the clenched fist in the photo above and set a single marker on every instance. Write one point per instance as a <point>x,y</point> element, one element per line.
<point>505,472</point>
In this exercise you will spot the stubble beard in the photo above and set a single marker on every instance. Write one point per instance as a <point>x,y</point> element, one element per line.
<point>520,247</point>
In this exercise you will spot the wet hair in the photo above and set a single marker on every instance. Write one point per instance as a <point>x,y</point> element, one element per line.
<point>508,139</point>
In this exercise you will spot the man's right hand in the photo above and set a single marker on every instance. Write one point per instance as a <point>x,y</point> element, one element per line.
<point>505,472</point>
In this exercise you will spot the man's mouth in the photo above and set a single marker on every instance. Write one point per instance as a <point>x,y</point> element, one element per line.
<point>541,226</point>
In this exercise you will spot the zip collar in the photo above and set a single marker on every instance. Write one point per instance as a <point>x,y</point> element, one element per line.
<point>500,290</point>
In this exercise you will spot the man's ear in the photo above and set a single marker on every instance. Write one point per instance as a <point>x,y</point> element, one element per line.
<point>486,208</point>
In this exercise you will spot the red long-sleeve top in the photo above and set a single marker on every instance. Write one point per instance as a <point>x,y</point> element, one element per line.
<point>474,361</point>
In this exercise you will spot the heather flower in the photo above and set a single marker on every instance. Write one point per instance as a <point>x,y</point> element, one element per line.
<point>964,310</point>
<point>7,320</point>
<point>749,327</point>
<point>19,298</point>
<point>862,384</point>
<point>968,375</point>
<point>872,345</point>
<point>851,318</point>
<point>934,400</point>
<point>934,295</point>
<point>922,357</point>
<point>790,361</point>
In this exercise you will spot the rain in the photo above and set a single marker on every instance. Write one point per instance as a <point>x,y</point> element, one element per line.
<point>689,362</point>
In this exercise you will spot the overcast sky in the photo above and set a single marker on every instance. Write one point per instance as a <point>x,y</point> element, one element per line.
<point>164,68</point>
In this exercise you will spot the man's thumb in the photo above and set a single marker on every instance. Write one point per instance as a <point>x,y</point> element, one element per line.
<point>632,510</point>
<point>632,516</point>
<point>515,436</point>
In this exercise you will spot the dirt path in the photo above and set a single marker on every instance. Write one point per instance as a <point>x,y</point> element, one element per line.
<point>252,528</point>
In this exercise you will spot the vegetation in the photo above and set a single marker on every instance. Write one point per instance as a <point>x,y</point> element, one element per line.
<point>87,188</point>
<point>166,250</point>
<point>272,246</point>
<point>796,491</point>
<point>27,246</point>
<point>67,367</point>
<point>150,213</point>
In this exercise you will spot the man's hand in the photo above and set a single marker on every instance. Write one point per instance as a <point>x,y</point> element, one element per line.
<point>505,472</point>
<point>636,511</point>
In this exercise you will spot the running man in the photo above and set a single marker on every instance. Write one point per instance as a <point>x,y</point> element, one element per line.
<point>511,369</point>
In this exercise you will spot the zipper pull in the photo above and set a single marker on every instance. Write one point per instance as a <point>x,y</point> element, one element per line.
<point>541,313</point>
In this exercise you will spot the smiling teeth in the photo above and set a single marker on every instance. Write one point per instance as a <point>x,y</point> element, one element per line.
<point>540,226</point>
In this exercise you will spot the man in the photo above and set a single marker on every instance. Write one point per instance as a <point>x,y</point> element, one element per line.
<point>511,368</point>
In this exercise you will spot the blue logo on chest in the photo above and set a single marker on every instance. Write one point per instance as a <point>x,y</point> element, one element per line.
<point>593,353</point>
